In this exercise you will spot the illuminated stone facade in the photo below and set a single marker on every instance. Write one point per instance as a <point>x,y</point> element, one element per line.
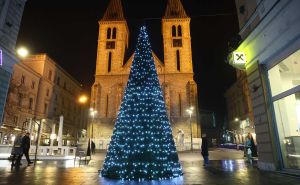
<point>175,72</point>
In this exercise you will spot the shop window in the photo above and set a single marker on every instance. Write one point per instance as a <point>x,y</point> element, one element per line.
<point>287,112</point>
<point>286,74</point>
<point>284,79</point>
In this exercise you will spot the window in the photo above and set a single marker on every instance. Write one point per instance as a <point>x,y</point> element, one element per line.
<point>15,119</point>
<point>65,85</point>
<point>45,108</point>
<point>58,80</point>
<point>109,62</point>
<point>32,84</point>
<point>285,89</point>
<point>50,75</point>
<point>114,33</point>
<point>108,33</point>
<point>173,31</point>
<point>55,97</point>
<point>177,42</point>
<point>106,111</point>
<point>20,98</point>
<point>30,104</point>
<point>110,45</point>
<point>179,31</point>
<point>23,79</point>
<point>179,104</point>
<point>178,60</point>
<point>47,92</point>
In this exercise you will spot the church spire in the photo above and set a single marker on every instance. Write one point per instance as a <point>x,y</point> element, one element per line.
<point>114,11</point>
<point>175,10</point>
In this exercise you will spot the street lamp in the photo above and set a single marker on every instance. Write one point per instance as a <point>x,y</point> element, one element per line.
<point>190,111</point>
<point>22,52</point>
<point>93,113</point>
<point>82,99</point>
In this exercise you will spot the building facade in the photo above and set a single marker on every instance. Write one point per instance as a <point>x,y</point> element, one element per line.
<point>10,17</point>
<point>175,72</point>
<point>271,44</point>
<point>41,90</point>
<point>239,110</point>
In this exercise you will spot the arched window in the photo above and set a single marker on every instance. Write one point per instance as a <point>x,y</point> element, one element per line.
<point>108,34</point>
<point>114,33</point>
<point>109,62</point>
<point>173,31</point>
<point>179,105</point>
<point>178,60</point>
<point>179,31</point>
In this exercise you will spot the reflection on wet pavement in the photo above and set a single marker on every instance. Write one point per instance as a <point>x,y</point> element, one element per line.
<point>67,173</point>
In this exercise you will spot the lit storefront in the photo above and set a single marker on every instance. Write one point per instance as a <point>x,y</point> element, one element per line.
<point>270,55</point>
<point>284,81</point>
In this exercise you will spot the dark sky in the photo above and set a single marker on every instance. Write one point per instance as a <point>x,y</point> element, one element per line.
<point>68,31</point>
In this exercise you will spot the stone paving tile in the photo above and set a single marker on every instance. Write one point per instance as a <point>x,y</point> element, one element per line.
<point>219,172</point>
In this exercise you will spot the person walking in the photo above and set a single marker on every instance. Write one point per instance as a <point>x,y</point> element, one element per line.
<point>252,147</point>
<point>248,149</point>
<point>93,147</point>
<point>17,151</point>
<point>26,147</point>
<point>204,149</point>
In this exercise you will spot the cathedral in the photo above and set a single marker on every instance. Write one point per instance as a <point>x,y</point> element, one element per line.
<point>175,71</point>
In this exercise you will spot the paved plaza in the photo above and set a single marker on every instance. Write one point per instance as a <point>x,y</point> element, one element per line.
<point>232,170</point>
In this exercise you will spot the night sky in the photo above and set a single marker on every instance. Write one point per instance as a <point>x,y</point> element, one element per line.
<point>67,30</point>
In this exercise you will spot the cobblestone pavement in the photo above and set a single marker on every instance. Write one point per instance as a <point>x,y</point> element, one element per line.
<point>219,172</point>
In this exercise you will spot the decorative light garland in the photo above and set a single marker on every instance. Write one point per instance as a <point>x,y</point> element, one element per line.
<point>142,145</point>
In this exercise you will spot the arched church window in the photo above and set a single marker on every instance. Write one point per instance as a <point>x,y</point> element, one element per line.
<point>114,33</point>
<point>108,33</point>
<point>109,62</point>
<point>179,31</point>
<point>173,31</point>
<point>178,60</point>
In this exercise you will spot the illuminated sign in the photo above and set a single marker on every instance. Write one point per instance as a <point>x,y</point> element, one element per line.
<point>239,57</point>
<point>0,57</point>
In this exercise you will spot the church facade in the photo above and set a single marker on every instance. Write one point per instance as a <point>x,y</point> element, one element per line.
<point>175,71</point>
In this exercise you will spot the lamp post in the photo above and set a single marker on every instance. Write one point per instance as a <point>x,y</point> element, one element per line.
<point>190,111</point>
<point>93,113</point>
<point>22,52</point>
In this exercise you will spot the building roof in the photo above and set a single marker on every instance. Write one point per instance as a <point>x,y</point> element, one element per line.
<point>175,10</point>
<point>114,11</point>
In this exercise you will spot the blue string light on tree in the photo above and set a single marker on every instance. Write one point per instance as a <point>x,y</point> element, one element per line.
<point>142,145</point>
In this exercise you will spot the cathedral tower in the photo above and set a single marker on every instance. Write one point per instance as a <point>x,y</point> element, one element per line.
<point>112,70</point>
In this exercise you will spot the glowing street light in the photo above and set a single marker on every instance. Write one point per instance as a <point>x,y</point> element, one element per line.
<point>22,52</point>
<point>93,113</point>
<point>82,99</point>
<point>190,111</point>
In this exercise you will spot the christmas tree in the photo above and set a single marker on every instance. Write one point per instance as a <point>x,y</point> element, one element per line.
<point>142,145</point>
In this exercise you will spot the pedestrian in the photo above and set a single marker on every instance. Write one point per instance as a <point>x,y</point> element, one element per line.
<point>248,149</point>
<point>17,151</point>
<point>26,147</point>
<point>204,149</point>
<point>252,147</point>
<point>93,147</point>
<point>180,139</point>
